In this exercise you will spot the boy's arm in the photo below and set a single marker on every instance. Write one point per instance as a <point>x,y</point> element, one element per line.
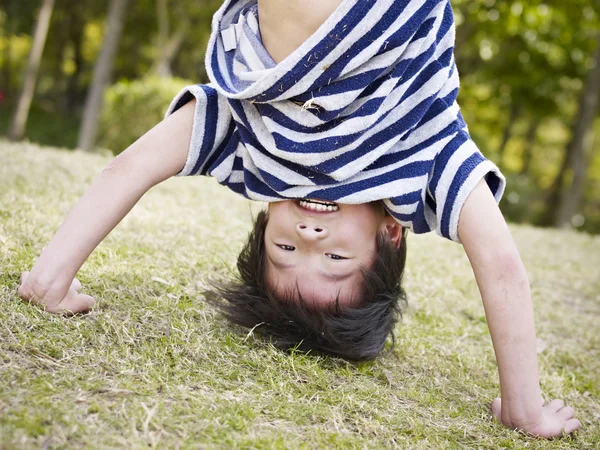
<point>507,302</point>
<point>155,157</point>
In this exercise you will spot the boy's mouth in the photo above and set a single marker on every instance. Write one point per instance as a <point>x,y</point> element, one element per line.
<point>318,205</point>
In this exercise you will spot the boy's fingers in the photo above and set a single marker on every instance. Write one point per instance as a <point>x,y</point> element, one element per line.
<point>24,276</point>
<point>55,309</point>
<point>22,291</point>
<point>79,303</point>
<point>72,304</point>
<point>84,303</point>
<point>566,413</point>
<point>87,301</point>
<point>571,425</point>
<point>497,407</point>
<point>555,405</point>
<point>76,284</point>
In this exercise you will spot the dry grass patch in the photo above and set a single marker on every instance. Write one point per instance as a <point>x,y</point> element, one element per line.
<point>154,366</point>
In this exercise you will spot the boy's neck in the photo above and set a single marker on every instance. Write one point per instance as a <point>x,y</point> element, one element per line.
<point>285,25</point>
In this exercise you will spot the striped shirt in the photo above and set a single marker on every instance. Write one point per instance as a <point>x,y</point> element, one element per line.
<point>365,109</point>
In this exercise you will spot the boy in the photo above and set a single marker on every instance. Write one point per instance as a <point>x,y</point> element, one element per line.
<point>342,115</point>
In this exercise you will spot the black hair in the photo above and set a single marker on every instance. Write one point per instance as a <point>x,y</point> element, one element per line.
<point>350,332</point>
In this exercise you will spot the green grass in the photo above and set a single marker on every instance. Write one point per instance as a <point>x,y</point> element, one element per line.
<point>154,367</point>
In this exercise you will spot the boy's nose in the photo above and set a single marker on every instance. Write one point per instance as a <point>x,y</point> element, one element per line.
<point>311,232</point>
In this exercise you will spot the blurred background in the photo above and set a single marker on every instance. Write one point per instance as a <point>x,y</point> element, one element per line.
<point>98,74</point>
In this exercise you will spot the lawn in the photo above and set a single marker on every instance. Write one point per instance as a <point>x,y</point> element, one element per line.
<point>154,366</point>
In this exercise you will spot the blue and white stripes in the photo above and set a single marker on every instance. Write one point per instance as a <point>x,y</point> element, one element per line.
<point>365,109</point>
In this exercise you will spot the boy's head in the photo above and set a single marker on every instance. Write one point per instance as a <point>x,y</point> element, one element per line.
<point>320,276</point>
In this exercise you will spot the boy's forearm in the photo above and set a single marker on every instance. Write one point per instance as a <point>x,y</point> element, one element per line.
<point>155,157</point>
<point>509,311</point>
<point>108,200</point>
<point>507,302</point>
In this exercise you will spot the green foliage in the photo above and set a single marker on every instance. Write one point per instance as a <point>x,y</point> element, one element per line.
<point>523,201</point>
<point>132,108</point>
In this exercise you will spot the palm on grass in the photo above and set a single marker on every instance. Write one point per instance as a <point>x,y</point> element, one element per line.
<point>556,419</point>
<point>56,302</point>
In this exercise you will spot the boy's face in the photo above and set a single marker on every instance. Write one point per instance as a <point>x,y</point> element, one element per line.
<point>319,251</point>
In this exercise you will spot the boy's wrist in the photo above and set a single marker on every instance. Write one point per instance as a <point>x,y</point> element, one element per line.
<point>521,413</point>
<point>41,286</point>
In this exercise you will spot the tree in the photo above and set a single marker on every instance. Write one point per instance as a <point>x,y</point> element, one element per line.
<point>515,112</point>
<point>529,144</point>
<point>31,72</point>
<point>581,140</point>
<point>76,32</point>
<point>168,46</point>
<point>102,75</point>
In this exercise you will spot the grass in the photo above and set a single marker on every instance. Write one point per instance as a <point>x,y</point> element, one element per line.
<point>154,367</point>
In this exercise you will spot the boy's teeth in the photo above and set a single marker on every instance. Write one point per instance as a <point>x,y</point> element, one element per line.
<point>313,206</point>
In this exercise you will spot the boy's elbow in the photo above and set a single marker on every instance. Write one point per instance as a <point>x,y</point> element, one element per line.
<point>121,163</point>
<point>126,170</point>
<point>503,264</point>
<point>509,262</point>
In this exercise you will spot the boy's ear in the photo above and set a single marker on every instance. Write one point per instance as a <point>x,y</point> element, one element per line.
<point>392,229</point>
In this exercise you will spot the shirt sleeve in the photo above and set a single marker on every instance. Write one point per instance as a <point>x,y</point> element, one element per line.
<point>456,170</point>
<point>212,129</point>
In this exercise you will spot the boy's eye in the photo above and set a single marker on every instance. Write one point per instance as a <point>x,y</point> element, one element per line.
<point>287,248</point>
<point>332,256</point>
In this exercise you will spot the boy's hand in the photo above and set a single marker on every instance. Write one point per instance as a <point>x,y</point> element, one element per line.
<point>556,419</point>
<point>70,303</point>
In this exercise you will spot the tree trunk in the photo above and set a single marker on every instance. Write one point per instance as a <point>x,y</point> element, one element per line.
<point>168,46</point>
<point>11,30</point>
<point>102,74</point>
<point>555,189</point>
<point>31,72</point>
<point>466,62</point>
<point>581,140</point>
<point>60,41</point>
<point>530,139</point>
<point>515,111</point>
<point>76,35</point>
<point>5,34</point>
<point>163,66</point>
<point>162,15</point>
